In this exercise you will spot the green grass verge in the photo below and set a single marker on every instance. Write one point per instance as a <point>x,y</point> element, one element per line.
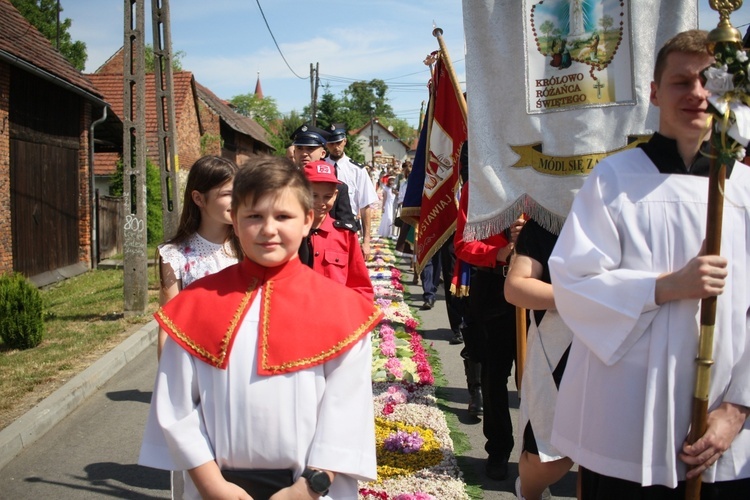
<point>461,442</point>
<point>83,320</point>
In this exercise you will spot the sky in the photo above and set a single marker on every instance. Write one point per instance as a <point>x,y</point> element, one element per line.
<point>226,43</point>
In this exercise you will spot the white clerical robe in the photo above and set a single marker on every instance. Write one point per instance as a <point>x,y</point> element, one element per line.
<point>625,400</point>
<point>320,417</point>
<point>546,345</point>
<point>361,188</point>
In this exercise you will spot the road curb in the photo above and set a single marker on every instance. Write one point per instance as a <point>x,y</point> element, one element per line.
<point>61,403</point>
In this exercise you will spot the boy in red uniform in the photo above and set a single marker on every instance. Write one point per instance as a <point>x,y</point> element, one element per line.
<point>332,248</point>
<point>265,376</point>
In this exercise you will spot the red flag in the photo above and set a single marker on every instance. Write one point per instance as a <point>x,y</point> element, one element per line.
<point>447,133</point>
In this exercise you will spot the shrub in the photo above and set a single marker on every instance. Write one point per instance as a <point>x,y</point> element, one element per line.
<point>21,309</point>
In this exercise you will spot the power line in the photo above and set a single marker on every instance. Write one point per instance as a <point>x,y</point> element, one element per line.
<point>276,43</point>
<point>404,76</point>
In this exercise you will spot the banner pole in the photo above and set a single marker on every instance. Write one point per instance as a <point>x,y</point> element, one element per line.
<point>721,38</point>
<point>438,33</point>
<point>520,346</point>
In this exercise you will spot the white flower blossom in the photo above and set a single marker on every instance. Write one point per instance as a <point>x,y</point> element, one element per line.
<point>741,56</point>
<point>740,154</point>
<point>718,80</point>
<point>740,122</point>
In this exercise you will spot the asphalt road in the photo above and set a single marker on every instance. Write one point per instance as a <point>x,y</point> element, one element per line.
<point>92,453</point>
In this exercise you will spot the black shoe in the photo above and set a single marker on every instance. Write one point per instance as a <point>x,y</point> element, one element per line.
<point>457,338</point>
<point>496,468</point>
<point>428,304</point>
<point>476,403</point>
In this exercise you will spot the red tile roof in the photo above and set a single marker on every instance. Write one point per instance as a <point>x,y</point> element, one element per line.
<point>20,41</point>
<point>105,163</point>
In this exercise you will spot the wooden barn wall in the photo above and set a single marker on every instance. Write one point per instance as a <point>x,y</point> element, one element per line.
<point>45,123</point>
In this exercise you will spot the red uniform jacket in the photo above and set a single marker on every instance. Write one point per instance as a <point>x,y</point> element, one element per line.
<point>337,255</point>
<point>477,253</point>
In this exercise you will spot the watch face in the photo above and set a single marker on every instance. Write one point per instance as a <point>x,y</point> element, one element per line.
<point>318,480</point>
<point>321,481</point>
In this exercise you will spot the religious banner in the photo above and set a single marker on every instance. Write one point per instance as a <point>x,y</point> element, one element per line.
<point>435,172</point>
<point>553,87</point>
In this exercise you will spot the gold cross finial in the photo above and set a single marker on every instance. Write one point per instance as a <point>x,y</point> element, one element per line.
<point>724,31</point>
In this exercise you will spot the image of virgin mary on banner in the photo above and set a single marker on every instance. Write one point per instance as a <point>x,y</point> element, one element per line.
<point>554,86</point>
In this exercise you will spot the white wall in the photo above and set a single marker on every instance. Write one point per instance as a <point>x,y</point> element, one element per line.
<point>385,142</point>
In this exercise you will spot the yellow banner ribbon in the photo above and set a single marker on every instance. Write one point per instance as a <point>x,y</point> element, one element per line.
<point>531,155</point>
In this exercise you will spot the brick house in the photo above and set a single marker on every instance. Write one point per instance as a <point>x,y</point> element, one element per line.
<point>109,80</point>
<point>47,108</point>
<point>205,123</point>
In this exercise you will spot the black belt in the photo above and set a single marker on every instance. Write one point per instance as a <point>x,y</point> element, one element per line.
<point>261,484</point>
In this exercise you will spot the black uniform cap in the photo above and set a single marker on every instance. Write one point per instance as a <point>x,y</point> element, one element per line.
<point>337,132</point>
<point>309,135</point>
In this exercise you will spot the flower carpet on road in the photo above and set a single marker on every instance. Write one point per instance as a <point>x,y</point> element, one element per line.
<point>414,448</point>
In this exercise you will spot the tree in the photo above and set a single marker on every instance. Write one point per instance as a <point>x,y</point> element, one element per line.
<point>151,58</point>
<point>353,149</point>
<point>261,109</point>
<point>43,14</point>
<point>264,111</point>
<point>281,130</point>
<point>330,109</point>
<point>606,22</point>
<point>362,97</point>
<point>547,27</point>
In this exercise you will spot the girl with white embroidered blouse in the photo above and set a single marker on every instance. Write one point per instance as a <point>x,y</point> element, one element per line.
<point>204,242</point>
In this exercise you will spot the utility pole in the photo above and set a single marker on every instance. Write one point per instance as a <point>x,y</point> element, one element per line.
<point>314,84</point>
<point>372,135</point>
<point>165,113</point>
<point>57,36</point>
<point>135,260</point>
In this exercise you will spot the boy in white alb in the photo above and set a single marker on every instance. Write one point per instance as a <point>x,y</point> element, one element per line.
<point>259,373</point>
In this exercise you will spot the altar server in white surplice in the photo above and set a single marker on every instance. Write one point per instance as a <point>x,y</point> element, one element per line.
<point>267,368</point>
<point>628,274</point>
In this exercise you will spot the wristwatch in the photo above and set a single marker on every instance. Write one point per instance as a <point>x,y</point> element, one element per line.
<point>317,480</point>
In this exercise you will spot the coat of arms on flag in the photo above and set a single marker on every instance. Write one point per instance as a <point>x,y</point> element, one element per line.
<point>430,203</point>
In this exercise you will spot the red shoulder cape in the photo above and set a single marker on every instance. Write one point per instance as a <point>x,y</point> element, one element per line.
<point>305,318</point>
